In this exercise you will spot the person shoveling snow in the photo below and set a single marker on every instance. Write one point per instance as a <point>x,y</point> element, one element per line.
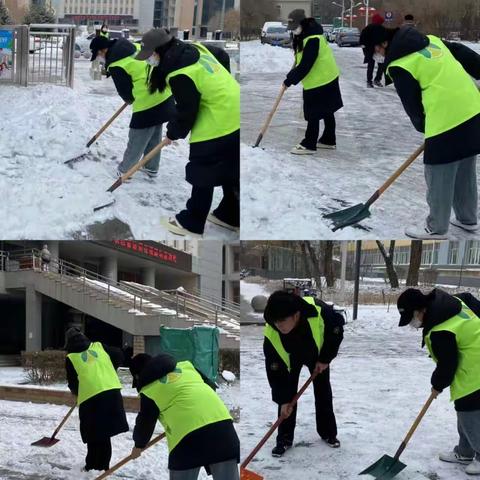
<point>451,331</point>
<point>301,331</point>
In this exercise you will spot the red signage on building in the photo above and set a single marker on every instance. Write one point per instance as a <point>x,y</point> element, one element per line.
<point>149,250</point>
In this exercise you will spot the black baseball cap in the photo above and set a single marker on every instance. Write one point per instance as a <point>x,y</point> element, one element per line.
<point>137,364</point>
<point>157,37</point>
<point>97,44</point>
<point>410,300</point>
<point>295,17</point>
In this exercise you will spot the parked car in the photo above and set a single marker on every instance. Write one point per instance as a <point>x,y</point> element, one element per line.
<point>78,51</point>
<point>265,26</point>
<point>326,31</point>
<point>279,36</point>
<point>332,35</point>
<point>348,36</point>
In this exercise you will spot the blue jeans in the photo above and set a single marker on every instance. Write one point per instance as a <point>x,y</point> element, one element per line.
<point>469,431</point>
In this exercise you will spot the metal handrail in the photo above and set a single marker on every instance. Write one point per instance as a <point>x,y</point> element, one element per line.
<point>222,301</point>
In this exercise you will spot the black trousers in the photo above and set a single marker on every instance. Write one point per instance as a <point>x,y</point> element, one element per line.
<point>371,68</point>
<point>99,454</point>
<point>198,207</point>
<point>324,416</point>
<point>313,130</point>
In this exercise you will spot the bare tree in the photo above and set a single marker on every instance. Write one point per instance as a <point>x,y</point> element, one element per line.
<point>328,270</point>
<point>232,22</point>
<point>315,264</point>
<point>388,258</point>
<point>416,248</point>
<point>254,13</point>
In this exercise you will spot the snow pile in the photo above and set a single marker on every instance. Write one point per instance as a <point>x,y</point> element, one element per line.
<point>380,381</point>
<point>264,58</point>
<point>228,376</point>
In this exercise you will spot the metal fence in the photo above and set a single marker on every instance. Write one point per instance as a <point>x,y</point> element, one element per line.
<point>37,53</point>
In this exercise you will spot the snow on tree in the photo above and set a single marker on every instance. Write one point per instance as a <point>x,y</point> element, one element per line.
<point>39,14</point>
<point>5,18</point>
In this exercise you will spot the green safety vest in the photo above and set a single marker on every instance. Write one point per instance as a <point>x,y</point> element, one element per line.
<point>325,68</point>
<point>106,35</point>
<point>139,72</point>
<point>466,327</point>
<point>186,403</point>
<point>95,372</point>
<point>219,111</point>
<point>449,95</point>
<point>317,328</point>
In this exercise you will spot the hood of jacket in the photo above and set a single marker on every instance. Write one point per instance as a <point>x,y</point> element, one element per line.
<point>156,369</point>
<point>178,56</point>
<point>405,41</point>
<point>441,307</point>
<point>121,48</point>
<point>77,344</point>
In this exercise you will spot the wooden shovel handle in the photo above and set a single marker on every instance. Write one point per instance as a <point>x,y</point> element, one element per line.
<point>277,423</point>
<point>396,174</point>
<point>270,115</point>
<point>414,426</point>
<point>112,119</point>
<point>137,166</point>
<point>62,423</point>
<point>121,463</point>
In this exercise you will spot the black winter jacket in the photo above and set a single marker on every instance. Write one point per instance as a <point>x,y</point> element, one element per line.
<point>157,115</point>
<point>103,415</point>
<point>300,344</point>
<point>321,101</point>
<point>456,144</point>
<point>441,307</point>
<point>213,443</point>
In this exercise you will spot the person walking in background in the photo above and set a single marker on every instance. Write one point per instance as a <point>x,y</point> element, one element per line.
<point>433,79</point>
<point>369,53</point>
<point>317,69</point>
<point>92,378</point>
<point>451,331</point>
<point>208,109</point>
<point>198,426</point>
<point>301,331</point>
<point>45,258</point>
<point>104,31</point>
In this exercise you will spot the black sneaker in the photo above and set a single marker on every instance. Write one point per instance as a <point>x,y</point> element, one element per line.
<point>332,442</point>
<point>378,83</point>
<point>280,449</point>
<point>370,84</point>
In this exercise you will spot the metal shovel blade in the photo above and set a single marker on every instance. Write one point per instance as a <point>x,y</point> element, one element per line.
<point>348,216</point>
<point>246,474</point>
<point>385,468</point>
<point>45,442</point>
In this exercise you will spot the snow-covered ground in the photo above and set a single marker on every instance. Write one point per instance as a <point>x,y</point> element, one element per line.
<point>22,423</point>
<point>284,196</point>
<point>47,125</point>
<point>380,381</point>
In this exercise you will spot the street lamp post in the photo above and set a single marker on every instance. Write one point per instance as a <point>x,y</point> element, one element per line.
<point>342,6</point>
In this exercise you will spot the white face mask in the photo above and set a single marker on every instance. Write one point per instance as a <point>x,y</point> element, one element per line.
<point>298,30</point>
<point>416,321</point>
<point>100,58</point>
<point>154,61</point>
<point>379,58</point>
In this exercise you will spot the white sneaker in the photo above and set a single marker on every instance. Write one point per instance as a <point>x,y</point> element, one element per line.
<point>214,219</point>
<point>464,226</point>
<point>173,226</point>
<point>324,146</point>
<point>473,468</point>
<point>454,457</point>
<point>149,173</point>
<point>423,233</point>
<point>301,150</point>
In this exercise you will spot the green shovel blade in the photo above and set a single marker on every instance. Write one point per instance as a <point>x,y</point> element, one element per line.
<point>348,216</point>
<point>385,468</point>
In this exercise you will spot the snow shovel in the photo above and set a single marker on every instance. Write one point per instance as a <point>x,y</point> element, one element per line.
<point>246,474</point>
<point>388,467</point>
<point>121,463</point>
<point>357,213</point>
<point>270,116</point>
<point>134,169</point>
<point>51,441</point>
<point>95,137</point>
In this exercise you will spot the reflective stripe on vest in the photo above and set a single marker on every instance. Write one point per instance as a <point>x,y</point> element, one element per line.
<point>186,403</point>
<point>95,372</point>
<point>139,71</point>
<point>466,328</point>
<point>325,68</point>
<point>219,111</point>
<point>317,327</point>
<point>449,95</point>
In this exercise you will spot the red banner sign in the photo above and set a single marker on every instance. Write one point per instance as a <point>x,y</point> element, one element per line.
<point>147,249</point>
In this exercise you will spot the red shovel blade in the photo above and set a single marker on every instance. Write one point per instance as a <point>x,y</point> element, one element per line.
<point>246,474</point>
<point>45,442</point>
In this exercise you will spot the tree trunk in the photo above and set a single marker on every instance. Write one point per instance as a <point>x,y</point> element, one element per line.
<point>388,257</point>
<point>315,264</point>
<point>306,263</point>
<point>415,262</point>
<point>328,269</point>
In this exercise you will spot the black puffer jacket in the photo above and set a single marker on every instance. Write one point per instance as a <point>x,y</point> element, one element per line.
<point>441,307</point>
<point>213,162</point>
<point>103,415</point>
<point>456,144</point>
<point>213,443</point>
<point>300,344</point>
<point>157,115</point>
<point>321,101</point>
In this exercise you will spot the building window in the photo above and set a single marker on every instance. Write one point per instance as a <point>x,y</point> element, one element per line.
<point>236,292</point>
<point>430,253</point>
<point>236,261</point>
<point>473,249</point>
<point>452,253</point>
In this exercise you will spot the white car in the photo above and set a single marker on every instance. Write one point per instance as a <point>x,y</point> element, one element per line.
<point>266,25</point>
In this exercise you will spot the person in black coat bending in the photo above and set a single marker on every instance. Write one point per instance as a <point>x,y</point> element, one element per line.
<point>102,415</point>
<point>301,331</point>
